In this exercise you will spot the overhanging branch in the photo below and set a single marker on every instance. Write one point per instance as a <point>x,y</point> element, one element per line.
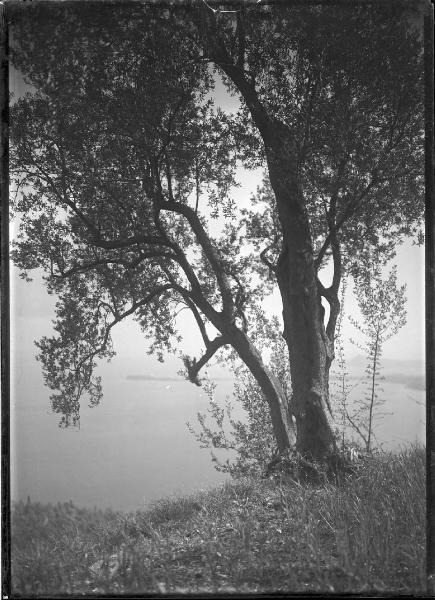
<point>194,366</point>
<point>88,266</point>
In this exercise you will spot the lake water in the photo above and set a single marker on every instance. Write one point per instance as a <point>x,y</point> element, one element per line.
<point>135,447</point>
<point>132,449</point>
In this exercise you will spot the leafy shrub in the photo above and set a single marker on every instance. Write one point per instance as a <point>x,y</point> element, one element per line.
<point>250,441</point>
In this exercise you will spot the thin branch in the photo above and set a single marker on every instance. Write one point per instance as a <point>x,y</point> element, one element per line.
<point>63,198</point>
<point>126,242</point>
<point>218,53</point>
<point>197,184</point>
<point>198,319</point>
<point>194,298</point>
<point>209,251</point>
<point>264,258</point>
<point>240,302</point>
<point>81,268</point>
<point>357,429</point>
<point>97,240</point>
<point>169,178</point>
<point>183,97</point>
<point>349,210</point>
<point>354,204</point>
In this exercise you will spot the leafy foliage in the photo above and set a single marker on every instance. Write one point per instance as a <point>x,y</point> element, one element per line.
<point>346,82</point>
<point>249,440</point>
<point>121,159</point>
<point>382,305</point>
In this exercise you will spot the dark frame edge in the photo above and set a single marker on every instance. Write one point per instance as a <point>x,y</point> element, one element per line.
<point>5,323</point>
<point>5,283</point>
<point>430,294</point>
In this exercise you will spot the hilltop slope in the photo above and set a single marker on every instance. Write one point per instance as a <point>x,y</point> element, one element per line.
<point>248,536</point>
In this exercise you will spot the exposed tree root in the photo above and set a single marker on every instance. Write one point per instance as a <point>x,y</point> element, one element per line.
<point>293,465</point>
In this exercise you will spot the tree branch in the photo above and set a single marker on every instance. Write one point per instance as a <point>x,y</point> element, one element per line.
<point>265,260</point>
<point>209,251</point>
<point>125,242</point>
<point>81,268</point>
<point>240,302</point>
<point>241,42</point>
<point>194,366</point>
<point>197,184</point>
<point>349,211</point>
<point>97,240</point>
<point>354,204</point>
<point>195,298</point>
<point>198,319</point>
<point>169,178</point>
<point>357,429</point>
<point>216,50</point>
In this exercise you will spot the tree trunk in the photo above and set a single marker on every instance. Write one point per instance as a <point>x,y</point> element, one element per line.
<point>310,357</point>
<point>373,388</point>
<point>273,391</point>
<point>310,349</point>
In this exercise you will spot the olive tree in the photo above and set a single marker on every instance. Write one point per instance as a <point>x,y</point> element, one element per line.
<point>119,145</point>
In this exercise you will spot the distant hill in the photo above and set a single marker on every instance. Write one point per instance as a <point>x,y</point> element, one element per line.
<point>415,382</point>
<point>410,373</point>
<point>390,364</point>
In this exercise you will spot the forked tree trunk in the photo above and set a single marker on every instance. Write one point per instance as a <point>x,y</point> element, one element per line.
<point>310,358</point>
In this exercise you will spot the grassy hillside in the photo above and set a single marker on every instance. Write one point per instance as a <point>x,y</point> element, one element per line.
<point>248,536</point>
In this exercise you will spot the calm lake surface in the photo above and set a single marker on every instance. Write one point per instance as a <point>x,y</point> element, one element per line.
<point>132,449</point>
<point>135,447</point>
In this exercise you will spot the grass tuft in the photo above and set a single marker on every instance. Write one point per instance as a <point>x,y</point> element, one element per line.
<point>366,535</point>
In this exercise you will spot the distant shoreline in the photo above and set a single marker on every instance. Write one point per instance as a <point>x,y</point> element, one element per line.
<point>177,379</point>
<point>415,382</point>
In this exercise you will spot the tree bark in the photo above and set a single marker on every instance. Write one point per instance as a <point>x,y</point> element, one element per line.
<point>310,348</point>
